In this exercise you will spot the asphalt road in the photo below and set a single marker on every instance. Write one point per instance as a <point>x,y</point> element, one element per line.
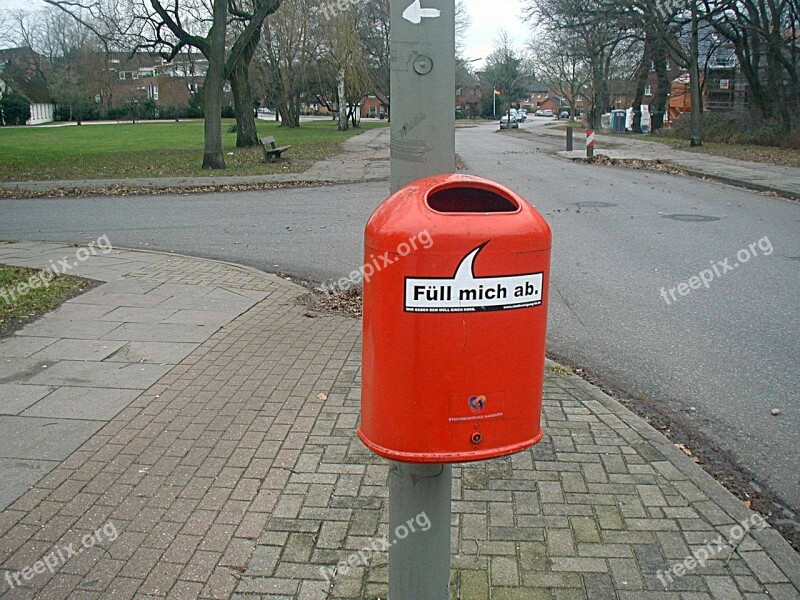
<point>722,356</point>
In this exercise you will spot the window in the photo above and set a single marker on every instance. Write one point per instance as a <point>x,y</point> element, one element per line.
<point>648,90</point>
<point>578,97</point>
<point>724,84</point>
<point>152,92</point>
<point>667,66</point>
<point>459,92</point>
<point>193,88</point>
<point>619,100</point>
<point>373,110</point>
<point>652,66</point>
<point>227,87</point>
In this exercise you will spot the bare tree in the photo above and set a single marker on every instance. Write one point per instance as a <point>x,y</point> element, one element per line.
<point>560,64</point>
<point>288,54</point>
<point>598,32</point>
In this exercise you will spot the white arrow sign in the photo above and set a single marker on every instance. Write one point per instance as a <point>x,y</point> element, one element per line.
<point>415,13</point>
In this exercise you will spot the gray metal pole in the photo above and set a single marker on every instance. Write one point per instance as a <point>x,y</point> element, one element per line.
<point>422,100</point>
<point>569,138</point>
<point>423,85</point>
<point>419,564</point>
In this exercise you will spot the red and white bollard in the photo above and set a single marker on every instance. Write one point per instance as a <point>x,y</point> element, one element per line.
<point>590,143</point>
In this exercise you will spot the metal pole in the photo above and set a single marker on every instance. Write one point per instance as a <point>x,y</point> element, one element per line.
<point>419,565</point>
<point>422,144</point>
<point>423,83</point>
<point>569,138</point>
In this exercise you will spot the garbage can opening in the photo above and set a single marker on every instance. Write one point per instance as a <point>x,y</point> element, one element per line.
<point>470,200</point>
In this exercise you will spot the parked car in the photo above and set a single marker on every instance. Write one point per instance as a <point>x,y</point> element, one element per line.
<point>521,116</point>
<point>539,113</point>
<point>547,113</point>
<point>564,114</point>
<point>504,122</point>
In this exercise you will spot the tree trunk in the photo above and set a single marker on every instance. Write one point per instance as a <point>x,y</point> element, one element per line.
<point>340,93</point>
<point>694,76</point>
<point>213,157</point>
<point>246,133</point>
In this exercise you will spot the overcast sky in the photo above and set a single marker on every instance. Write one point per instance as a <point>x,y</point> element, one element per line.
<point>487,19</point>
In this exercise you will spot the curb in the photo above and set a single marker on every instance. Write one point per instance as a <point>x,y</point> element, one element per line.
<point>31,190</point>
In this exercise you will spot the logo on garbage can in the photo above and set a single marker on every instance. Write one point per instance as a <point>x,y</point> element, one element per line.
<point>477,402</point>
<point>465,292</point>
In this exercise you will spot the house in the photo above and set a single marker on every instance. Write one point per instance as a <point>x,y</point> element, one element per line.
<point>141,76</point>
<point>468,99</point>
<point>537,94</point>
<point>23,71</point>
<point>374,106</point>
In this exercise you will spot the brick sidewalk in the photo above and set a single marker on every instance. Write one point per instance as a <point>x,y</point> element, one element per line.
<point>238,475</point>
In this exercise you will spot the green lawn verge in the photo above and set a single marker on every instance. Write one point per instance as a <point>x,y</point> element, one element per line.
<point>155,150</point>
<point>20,305</point>
<point>762,154</point>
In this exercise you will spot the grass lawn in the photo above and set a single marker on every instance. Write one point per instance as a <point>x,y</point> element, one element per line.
<point>16,308</point>
<point>155,150</point>
<point>763,154</point>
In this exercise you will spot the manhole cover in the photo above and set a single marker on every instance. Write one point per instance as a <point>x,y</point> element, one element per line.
<point>594,204</point>
<point>691,218</point>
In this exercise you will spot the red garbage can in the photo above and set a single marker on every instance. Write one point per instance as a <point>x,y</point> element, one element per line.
<point>455,317</point>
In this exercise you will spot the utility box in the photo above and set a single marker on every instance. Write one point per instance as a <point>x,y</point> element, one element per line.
<point>455,317</point>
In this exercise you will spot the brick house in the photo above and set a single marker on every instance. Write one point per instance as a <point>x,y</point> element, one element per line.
<point>374,106</point>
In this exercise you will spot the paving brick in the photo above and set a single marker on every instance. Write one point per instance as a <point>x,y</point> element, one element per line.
<point>251,484</point>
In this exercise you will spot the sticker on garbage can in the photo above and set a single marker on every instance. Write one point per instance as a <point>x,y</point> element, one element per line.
<point>466,293</point>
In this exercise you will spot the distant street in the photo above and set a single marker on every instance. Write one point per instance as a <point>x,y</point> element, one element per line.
<point>724,357</point>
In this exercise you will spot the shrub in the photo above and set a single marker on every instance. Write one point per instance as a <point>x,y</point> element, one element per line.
<point>733,128</point>
<point>228,112</point>
<point>14,109</point>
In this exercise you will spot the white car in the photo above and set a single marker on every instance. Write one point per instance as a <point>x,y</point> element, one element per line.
<point>547,113</point>
<point>504,122</point>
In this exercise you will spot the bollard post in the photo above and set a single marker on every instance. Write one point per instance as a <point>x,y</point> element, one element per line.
<point>570,130</point>
<point>590,143</point>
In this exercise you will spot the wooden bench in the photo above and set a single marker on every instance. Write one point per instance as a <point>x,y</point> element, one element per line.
<point>270,150</point>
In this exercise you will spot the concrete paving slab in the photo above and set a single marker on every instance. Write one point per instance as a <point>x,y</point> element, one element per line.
<point>160,353</point>
<point>19,475</point>
<point>202,317</point>
<point>88,403</point>
<point>75,311</point>
<point>21,370</point>
<point>101,374</point>
<point>80,329</point>
<point>72,349</point>
<point>130,286</point>
<point>98,296</point>
<point>33,438</point>
<point>15,398</point>
<point>167,332</point>
<point>24,346</point>
<point>129,314</point>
